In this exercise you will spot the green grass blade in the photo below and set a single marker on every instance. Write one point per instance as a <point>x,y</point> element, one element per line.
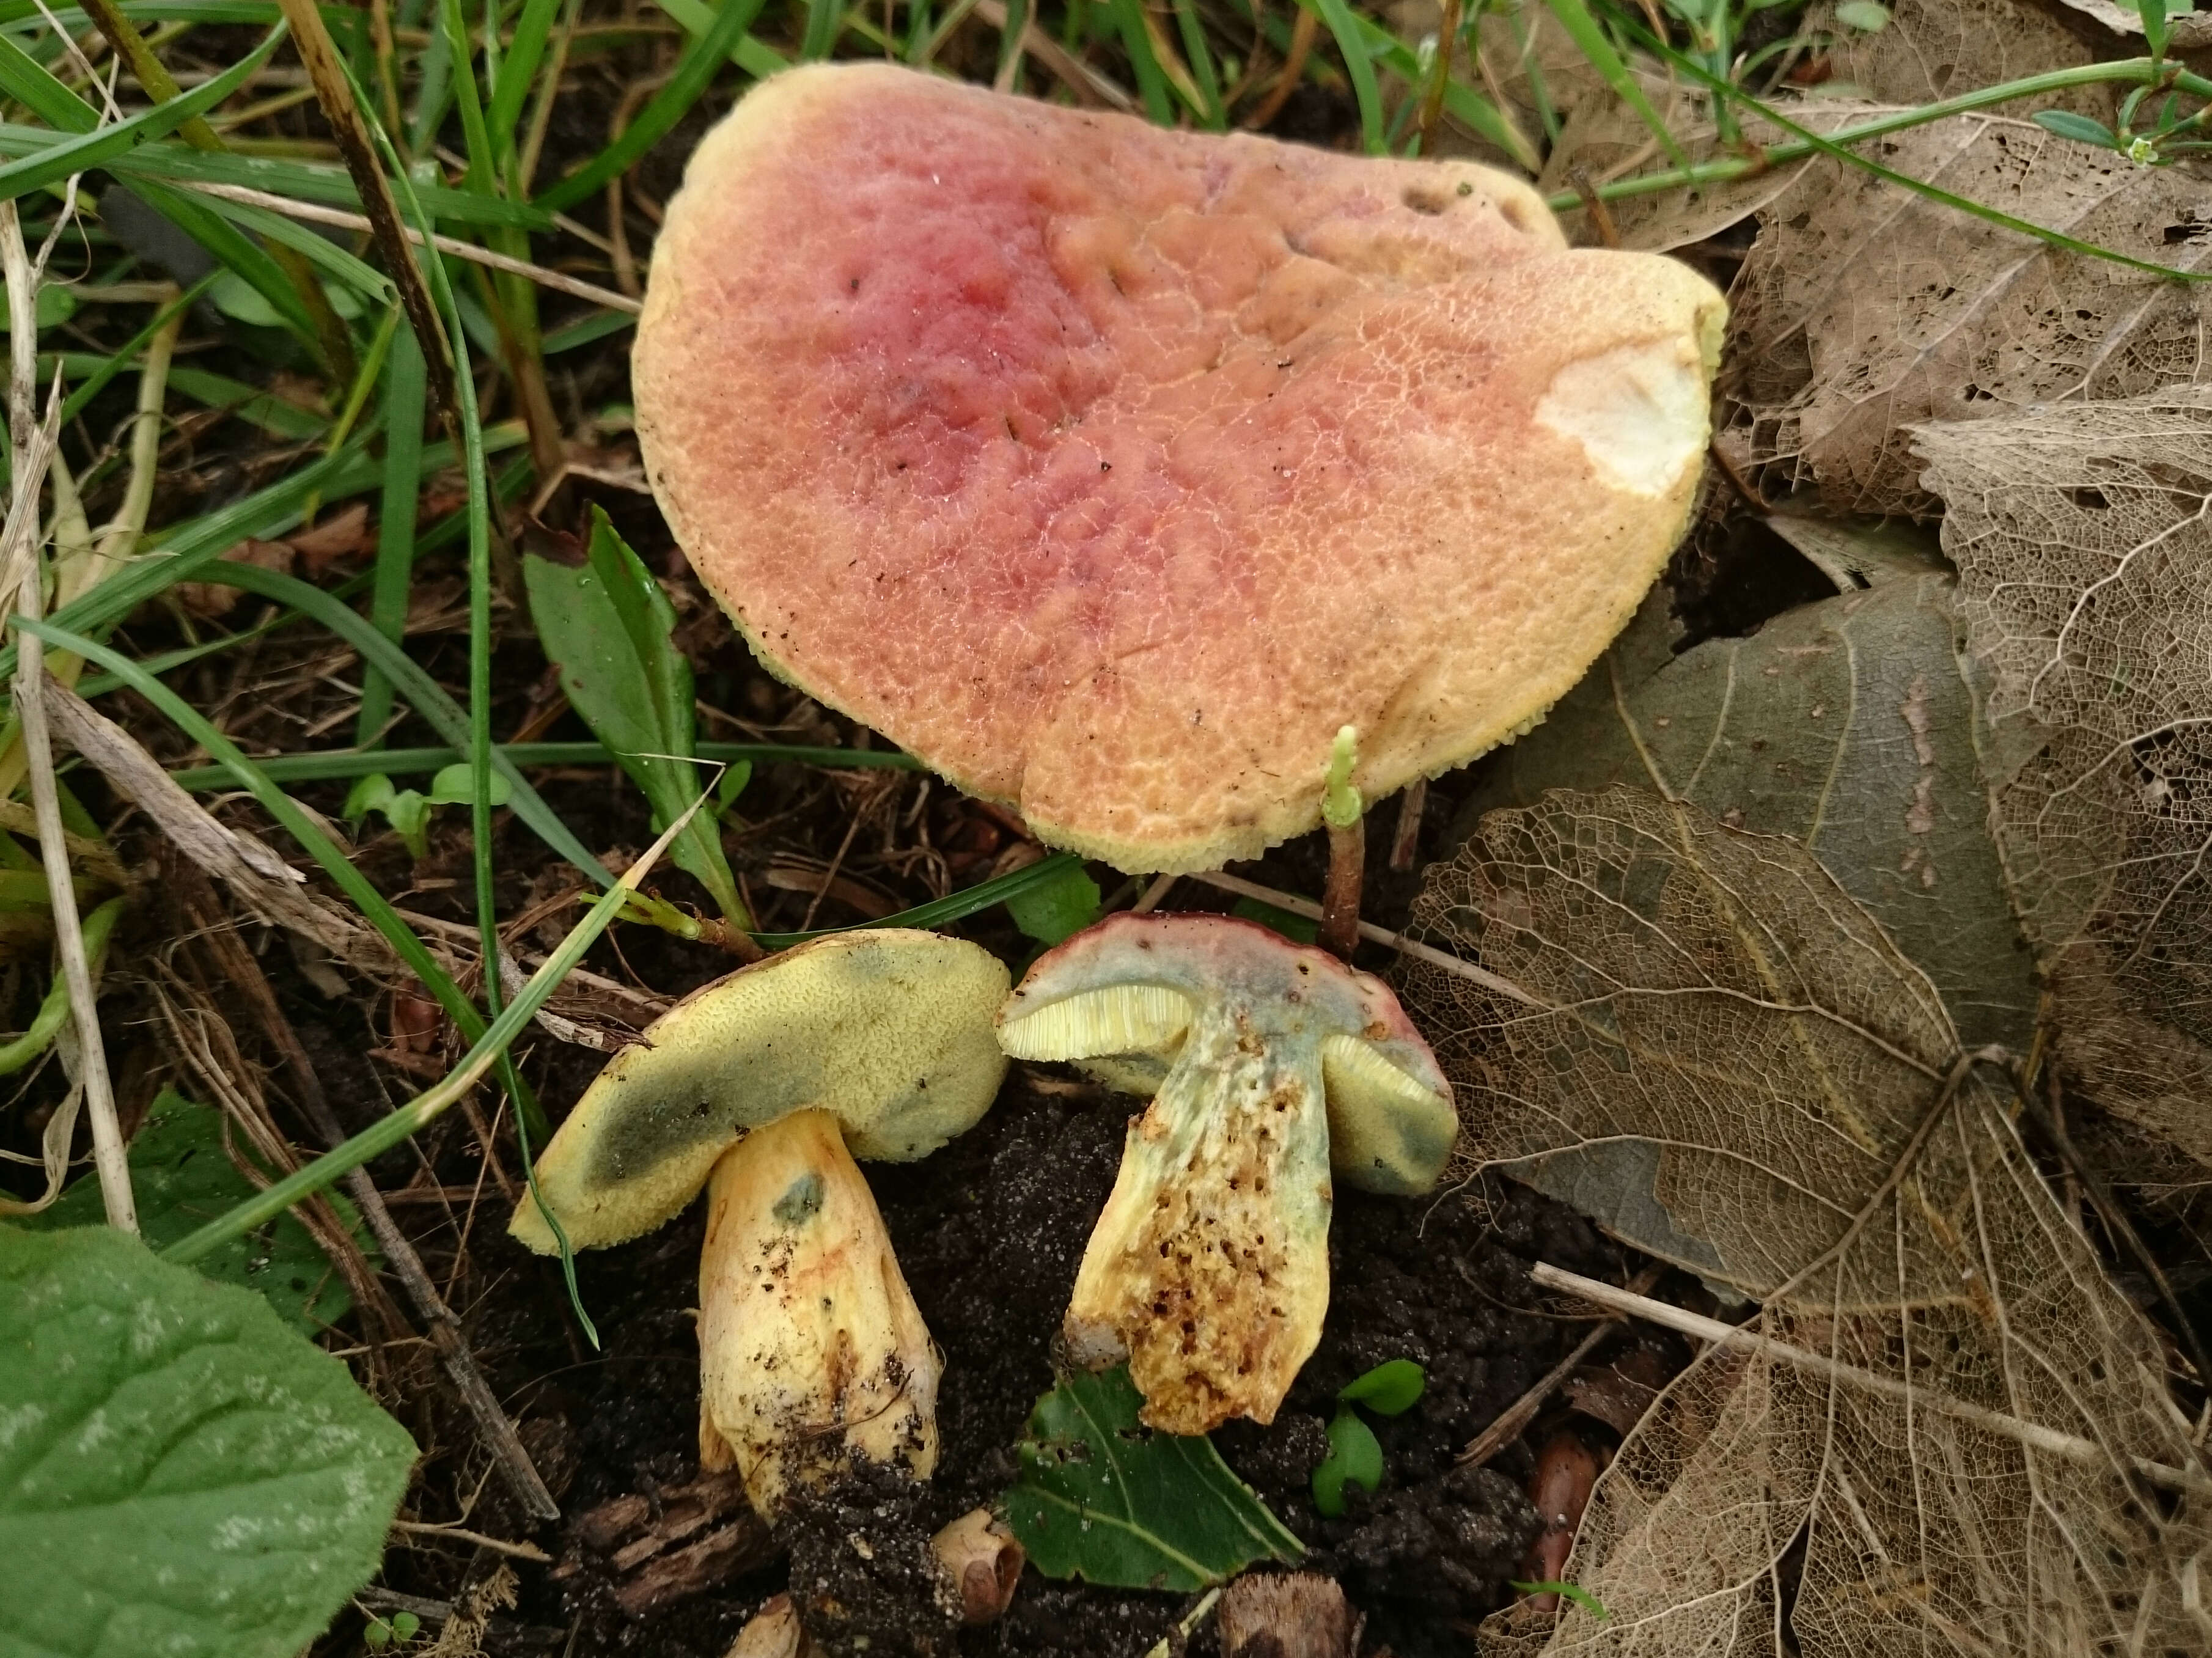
<point>755,57</point>
<point>518,68</point>
<point>29,82</point>
<point>1351,43</point>
<point>96,379</point>
<point>585,329</point>
<point>417,1113</point>
<point>363,278</point>
<point>232,249</point>
<point>825,21</point>
<point>1152,79</point>
<point>694,70</point>
<point>424,694</point>
<point>100,148</point>
<point>1592,41</point>
<point>405,402</point>
<point>303,829</point>
<point>343,764</point>
<point>953,906</point>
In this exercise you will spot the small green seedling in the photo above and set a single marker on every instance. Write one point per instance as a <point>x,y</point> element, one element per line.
<point>1058,908</point>
<point>408,810</point>
<point>400,1628</point>
<point>1583,1598</point>
<point>1354,1453</point>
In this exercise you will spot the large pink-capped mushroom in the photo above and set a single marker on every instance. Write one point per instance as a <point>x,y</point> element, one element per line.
<point>1114,471</point>
<point>1273,1068</point>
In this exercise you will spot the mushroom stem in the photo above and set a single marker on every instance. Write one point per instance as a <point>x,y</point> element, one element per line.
<point>812,1350</point>
<point>1343,810</point>
<point>1209,1266</point>
<point>979,1554</point>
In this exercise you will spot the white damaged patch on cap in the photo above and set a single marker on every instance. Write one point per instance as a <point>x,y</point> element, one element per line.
<point>1639,412</point>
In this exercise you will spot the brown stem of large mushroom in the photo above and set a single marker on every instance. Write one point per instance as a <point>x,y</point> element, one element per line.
<point>1340,898</point>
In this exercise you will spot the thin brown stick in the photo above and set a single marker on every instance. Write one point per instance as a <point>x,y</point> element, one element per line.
<point>1514,1419</point>
<point>1305,31</point>
<point>2032,1434</point>
<point>1406,842</point>
<point>31,442</point>
<point>1079,78</point>
<point>314,213</point>
<point>1433,99</point>
<point>236,966</point>
<point>1340,898</point>
<point>1374,934</point>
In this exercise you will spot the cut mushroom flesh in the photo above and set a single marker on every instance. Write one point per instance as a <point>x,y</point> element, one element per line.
<point>1208,1268</point>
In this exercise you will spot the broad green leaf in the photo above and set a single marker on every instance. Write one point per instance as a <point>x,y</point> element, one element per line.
<point>1106,1499</point>
<point>1355,1457</point>
<point>606,626</point>
<point>1867,16</point>
<point>455,786</point>
<point>1058,908</point>
<point>1389,1389</point>
<point>180,1472</point>
<point>183,1178</point>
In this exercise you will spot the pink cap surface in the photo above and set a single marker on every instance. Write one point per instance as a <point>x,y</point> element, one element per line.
<point>1111,470</point>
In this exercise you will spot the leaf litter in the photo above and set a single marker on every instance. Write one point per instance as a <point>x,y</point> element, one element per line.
<point>1819,1140</point>
<point>1861,310</point>
<point>2085,563</point>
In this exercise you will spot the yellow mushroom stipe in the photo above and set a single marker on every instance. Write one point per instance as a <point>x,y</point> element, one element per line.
<point>811,1351</point>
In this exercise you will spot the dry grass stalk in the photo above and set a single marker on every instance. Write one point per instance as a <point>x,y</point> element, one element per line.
<point>32,444</point>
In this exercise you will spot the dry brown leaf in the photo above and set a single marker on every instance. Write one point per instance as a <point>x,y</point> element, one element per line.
<point>1965,1476</point>
<point>1862,309</point>
<point>1937,49</point>
<point>2085,563</point>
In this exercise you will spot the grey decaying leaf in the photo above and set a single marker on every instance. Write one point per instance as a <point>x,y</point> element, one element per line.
<point>1936,49</point>
<point>2085,560</point>
<point>1714,998</point>
<point>1862,309</point>
<point>1848,724</point>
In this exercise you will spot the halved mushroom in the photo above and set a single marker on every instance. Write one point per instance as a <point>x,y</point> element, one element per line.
<point>872,1044</point>
<point>1269,1063</point>
<point>1113,470</point>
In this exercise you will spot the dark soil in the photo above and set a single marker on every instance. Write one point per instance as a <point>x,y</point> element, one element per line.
<point>989,1232</point>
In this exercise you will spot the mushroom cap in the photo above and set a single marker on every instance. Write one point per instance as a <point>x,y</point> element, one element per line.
<point>887,1029</point>
<point>1119,997</point>
<point>1111,470</point>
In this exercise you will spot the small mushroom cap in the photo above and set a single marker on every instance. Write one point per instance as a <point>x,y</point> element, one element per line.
<point>888,1029</point>
<point>1112,470</point>
<point>1119,996</point>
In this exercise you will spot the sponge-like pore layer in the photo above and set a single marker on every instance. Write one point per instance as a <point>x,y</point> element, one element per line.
<point>1111,470</point>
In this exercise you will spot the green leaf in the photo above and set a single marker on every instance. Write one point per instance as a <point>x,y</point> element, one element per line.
<point>1389,1389</point>
<point>1355,1455</point>
<point>405,809</point>
<point>1058,909</point>
<point>2080,128</point>
<point>1581,1597</point>
<point>732,784</point>
<point>405,1626</point>
<point>2154,15</point>
<point>455,786</point>
<point>606,626</point>
<point>1104,1498</point>
<point>183,1178</point>
<point>182,1473</point>
<point>1867,16</point>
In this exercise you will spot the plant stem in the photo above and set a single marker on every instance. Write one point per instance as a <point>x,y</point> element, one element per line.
<point>2128,70</point>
